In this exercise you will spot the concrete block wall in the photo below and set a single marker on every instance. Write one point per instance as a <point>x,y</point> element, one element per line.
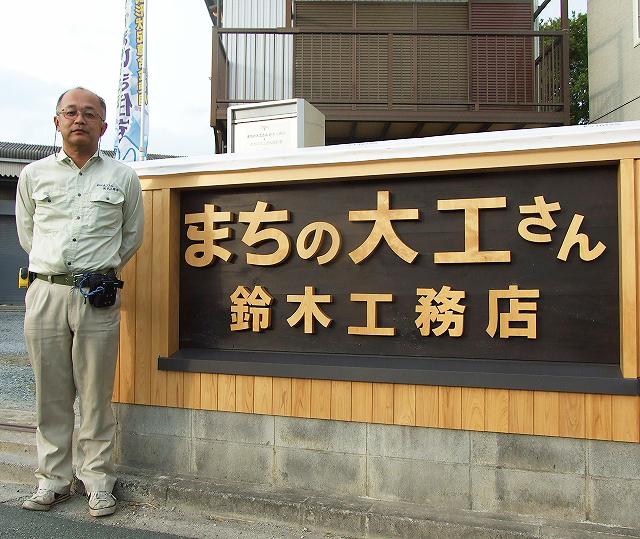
<point>562,478</point>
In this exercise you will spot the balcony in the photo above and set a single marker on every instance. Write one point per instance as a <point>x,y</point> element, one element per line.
<point>377,85</point>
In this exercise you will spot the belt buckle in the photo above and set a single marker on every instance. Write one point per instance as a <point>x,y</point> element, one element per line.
<point>76,279</point>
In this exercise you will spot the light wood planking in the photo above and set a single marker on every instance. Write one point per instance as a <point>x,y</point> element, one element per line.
<point>571,415</point>
<point>598,417</point>
<point>263,395</point>
<point>127,349</point>
<point>362,402</point>
<point>362,170</point>
<point>167,388</point>
<point>227,392</point>
<point>628,269</point>
<point>282,404</point>
<point>473,410</point>
<point>340,400</point>
<point>496,410</point>
<point>520,411</point>
<point>450,407</point>
<point>636,200</point>
<point>209,391</point>
<point>625,413</point>
<point>145,373</point>
<point>427,406</point>
<point>383,403</point>
<point>192,390</point>
<point>404,404</point>
<point>244,393</point>
<point>321,399</point>
<point>300,397</point>
<point>545,413</point>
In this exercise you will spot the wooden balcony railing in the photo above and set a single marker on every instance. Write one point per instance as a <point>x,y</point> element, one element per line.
<point>395,75</point>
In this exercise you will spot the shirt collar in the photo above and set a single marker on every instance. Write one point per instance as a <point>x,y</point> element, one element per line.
<point>61,156</point>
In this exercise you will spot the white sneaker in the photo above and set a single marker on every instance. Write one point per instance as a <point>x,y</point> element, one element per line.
<point>44,498</point>
<point>101,503</point>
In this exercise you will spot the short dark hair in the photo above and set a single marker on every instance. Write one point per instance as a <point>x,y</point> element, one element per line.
<point>102,102</point>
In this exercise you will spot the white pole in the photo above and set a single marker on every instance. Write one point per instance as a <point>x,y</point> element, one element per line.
<point>143,85</point>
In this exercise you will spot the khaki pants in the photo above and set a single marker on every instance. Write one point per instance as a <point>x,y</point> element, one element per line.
<point>73,348</point>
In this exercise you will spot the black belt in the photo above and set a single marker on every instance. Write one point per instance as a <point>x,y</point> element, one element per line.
<point>69,279</point>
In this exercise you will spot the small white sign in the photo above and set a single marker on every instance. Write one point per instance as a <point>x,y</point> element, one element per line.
<point>263,134</point>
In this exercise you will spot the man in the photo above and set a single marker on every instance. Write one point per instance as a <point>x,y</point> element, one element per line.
<point>78,212</point>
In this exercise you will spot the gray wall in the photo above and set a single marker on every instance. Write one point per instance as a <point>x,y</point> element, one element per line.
<point>560,478</point>
<point>614,62</point>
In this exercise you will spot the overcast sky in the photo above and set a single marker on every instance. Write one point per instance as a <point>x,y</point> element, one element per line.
<point>49,46</point>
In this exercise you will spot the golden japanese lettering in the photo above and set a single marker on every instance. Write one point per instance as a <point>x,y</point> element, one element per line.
<point>573,237</point>
<point>543,209</point>
<point>317,232</point>
<point>444,307</point>
<point>515,314</point>
<point>372,328</point>
<point>472,252</point>
<point>203,254</point>
<point>254,235</point>
<point>308,309</point>
<point>250,310</point>
<point>383,229</point>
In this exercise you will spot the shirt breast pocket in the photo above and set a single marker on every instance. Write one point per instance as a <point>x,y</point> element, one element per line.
<point>105,213</point>
<point>51,209</point>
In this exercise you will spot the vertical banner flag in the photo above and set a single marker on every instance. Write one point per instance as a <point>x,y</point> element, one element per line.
<point>131,123</point>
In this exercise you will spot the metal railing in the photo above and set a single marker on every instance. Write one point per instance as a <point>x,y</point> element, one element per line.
<point>393,70</point>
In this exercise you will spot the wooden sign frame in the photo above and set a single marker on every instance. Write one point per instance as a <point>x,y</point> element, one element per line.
<point>150,317</point>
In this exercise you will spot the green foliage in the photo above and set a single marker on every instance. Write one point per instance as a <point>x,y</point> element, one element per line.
<point>578,64</point>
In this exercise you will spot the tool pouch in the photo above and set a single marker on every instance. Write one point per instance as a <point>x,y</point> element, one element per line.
<point>103,289</point>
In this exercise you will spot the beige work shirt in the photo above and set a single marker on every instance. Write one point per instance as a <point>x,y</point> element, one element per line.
<point>73,220</point>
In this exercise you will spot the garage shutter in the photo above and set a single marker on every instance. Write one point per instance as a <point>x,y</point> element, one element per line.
<point>12,258</point>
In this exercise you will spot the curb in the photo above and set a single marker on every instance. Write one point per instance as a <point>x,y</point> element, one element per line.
<point>357,516</point>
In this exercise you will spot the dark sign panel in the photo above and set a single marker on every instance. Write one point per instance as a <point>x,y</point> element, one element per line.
<point>481,276</point>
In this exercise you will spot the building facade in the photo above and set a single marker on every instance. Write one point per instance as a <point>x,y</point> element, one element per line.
<point>614,60</point>
<point>393,69</point>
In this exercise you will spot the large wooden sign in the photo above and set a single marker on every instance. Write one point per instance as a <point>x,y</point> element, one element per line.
<point>495,279</point>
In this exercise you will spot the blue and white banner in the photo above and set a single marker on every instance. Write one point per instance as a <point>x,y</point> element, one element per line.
<point>130,145</point>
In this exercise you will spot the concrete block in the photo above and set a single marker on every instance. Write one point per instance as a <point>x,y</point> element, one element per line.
<point>320,471</point>
<point>321,435</point>
<point>163,454</point>
<point>151,489</point>
<point>614,502</point>
<point>226,461</point>
<point>519,492</point>
<point>437,484</point>
<point>18,467</point>
<point>432,445</point>
<point>233,427</point>
<point>533,453</point>
<point>411,528</point>
<point>350,515</point>
<point>141,419</point>
<point>235,501</point>
<point>614,459</point>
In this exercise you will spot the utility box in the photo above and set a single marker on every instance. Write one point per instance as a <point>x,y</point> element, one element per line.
<point>287,124</point>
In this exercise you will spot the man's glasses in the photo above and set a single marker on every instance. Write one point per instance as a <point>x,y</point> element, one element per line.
<point>89,115</point>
